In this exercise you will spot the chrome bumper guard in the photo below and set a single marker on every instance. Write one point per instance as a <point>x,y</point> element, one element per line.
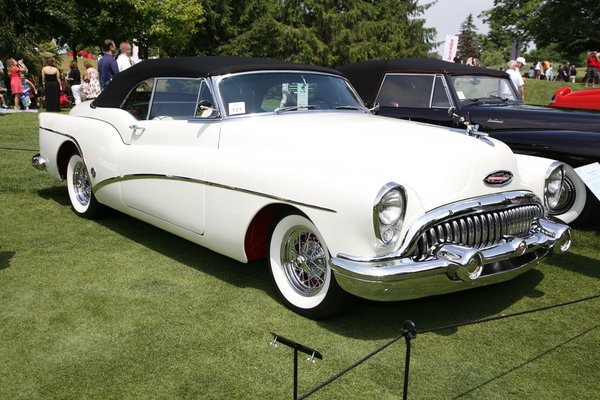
<point>38,162</point>
<point>453,267</point>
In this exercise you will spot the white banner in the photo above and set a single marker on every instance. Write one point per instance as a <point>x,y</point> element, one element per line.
<point>590,175</point>
<point>450,48</point>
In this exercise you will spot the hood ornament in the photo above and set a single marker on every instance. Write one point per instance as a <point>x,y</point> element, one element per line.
<point>471,129</point>
<point>498,178</point>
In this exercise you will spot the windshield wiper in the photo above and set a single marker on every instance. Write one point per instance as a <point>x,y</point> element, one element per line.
<point>348,108</point>
<point>279,110</point>
<point>504,99</point>
<point>481,100</point>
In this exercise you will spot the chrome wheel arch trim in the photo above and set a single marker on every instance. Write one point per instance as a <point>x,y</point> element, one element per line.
<point>71,138</point>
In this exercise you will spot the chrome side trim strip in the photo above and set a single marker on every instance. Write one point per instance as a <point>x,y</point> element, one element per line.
<point>124,178</point>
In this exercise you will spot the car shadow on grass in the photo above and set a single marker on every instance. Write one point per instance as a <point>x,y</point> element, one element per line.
<point>436,311</point>
<point>5,257</point>
<point>233,272</point>
<point>575,263</point>
<point>254,274</point>
<point>55,193</point>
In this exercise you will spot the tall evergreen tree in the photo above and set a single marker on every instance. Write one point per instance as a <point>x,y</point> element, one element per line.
<point>468,45</point>
<point>325,32</point>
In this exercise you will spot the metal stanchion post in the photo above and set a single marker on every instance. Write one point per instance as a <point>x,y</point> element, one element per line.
<point>297,347</point>
<point>409,331</point>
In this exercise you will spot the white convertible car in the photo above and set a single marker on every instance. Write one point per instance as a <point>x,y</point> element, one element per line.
<point>263,159</point>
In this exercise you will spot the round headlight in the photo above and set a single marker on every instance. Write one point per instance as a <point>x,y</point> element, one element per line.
<point>391,207</point>
<point>388,212</point>
<point>553,186</point>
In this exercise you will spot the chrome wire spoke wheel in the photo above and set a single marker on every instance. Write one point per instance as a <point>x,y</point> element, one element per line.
<point>299,263</point>
<point>81,184</point>
<point>304,261</point>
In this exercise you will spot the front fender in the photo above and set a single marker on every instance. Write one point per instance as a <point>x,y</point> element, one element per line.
<point>533,171</point>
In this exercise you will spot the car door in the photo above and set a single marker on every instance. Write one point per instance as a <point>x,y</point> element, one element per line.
<point>164,167</point>
<point>415,96</point>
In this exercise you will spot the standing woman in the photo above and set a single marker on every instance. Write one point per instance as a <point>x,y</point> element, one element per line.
<point>15,80</point>
<point>74,76</point>
<point>51,79</point>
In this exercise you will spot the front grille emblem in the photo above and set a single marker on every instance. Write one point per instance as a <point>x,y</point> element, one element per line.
<point>498,178</point>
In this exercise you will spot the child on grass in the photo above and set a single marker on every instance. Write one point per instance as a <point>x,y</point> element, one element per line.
<point>28,88</point>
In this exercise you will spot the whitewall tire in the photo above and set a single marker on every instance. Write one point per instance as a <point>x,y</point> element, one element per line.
<point>82,198</point>
<point>299,261</point>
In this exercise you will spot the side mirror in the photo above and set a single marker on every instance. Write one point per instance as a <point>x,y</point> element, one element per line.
<point>457,119</point>
<point>206,110</point>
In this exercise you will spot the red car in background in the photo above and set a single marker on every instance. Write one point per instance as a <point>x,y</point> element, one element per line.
<point>565,97</point>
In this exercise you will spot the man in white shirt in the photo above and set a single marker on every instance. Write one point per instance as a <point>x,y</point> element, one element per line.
<point>516,78</point>
<point>124,59</point>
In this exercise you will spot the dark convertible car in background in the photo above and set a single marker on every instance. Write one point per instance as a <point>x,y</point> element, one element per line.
<point>425,89</point>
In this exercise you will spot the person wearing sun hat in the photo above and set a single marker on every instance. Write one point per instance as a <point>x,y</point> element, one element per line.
<point>520,63</point>
<point>516,78</point>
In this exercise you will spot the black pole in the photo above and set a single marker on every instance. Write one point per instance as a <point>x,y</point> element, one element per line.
<point>295,374</point>
<point>297,347</point>
<point>410,332</point>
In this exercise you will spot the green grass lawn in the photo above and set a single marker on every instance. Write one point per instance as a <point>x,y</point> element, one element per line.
<point>540,92</point>
<point>117,309</point>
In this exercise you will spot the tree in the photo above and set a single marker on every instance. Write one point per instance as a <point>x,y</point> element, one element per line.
<point>167,24</point>
<point>574,28</point>
<point>468,45</point>
<point>327,32</point>
<point>510,22</point>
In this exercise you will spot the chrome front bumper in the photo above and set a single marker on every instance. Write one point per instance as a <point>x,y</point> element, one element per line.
<point>453,268</point>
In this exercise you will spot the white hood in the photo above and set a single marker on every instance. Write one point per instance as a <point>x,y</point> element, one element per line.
<point>441,165</point>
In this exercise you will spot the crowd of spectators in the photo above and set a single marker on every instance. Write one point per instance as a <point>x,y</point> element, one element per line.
<point>59,89</point>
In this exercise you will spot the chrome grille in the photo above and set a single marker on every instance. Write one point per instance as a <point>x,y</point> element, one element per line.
<point>480,230</point>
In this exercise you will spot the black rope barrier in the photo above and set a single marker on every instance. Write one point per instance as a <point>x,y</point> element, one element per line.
<point>516,314</point>
<point>408,333</point>
<point>16,149</point>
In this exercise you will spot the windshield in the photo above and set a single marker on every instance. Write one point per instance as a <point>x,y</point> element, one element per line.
<point>473,88</point>
<point>268,92</point>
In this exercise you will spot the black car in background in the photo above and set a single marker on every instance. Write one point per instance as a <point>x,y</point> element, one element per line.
<point>421,89</point>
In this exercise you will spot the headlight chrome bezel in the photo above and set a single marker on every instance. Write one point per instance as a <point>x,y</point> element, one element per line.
<point>389,210</point>
<point>553,185</point>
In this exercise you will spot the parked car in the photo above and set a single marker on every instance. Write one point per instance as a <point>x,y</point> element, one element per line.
<point>424,89</point>
<point>261,159</point>
<point>585,99</point>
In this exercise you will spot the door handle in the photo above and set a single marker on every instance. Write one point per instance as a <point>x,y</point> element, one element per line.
<point>136,129</point>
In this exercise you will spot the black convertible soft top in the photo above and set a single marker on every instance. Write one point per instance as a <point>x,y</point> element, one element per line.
<point>366,76</point>
<point>123,82</point>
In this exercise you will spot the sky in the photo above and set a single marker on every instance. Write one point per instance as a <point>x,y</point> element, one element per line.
<point>447,15</point>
